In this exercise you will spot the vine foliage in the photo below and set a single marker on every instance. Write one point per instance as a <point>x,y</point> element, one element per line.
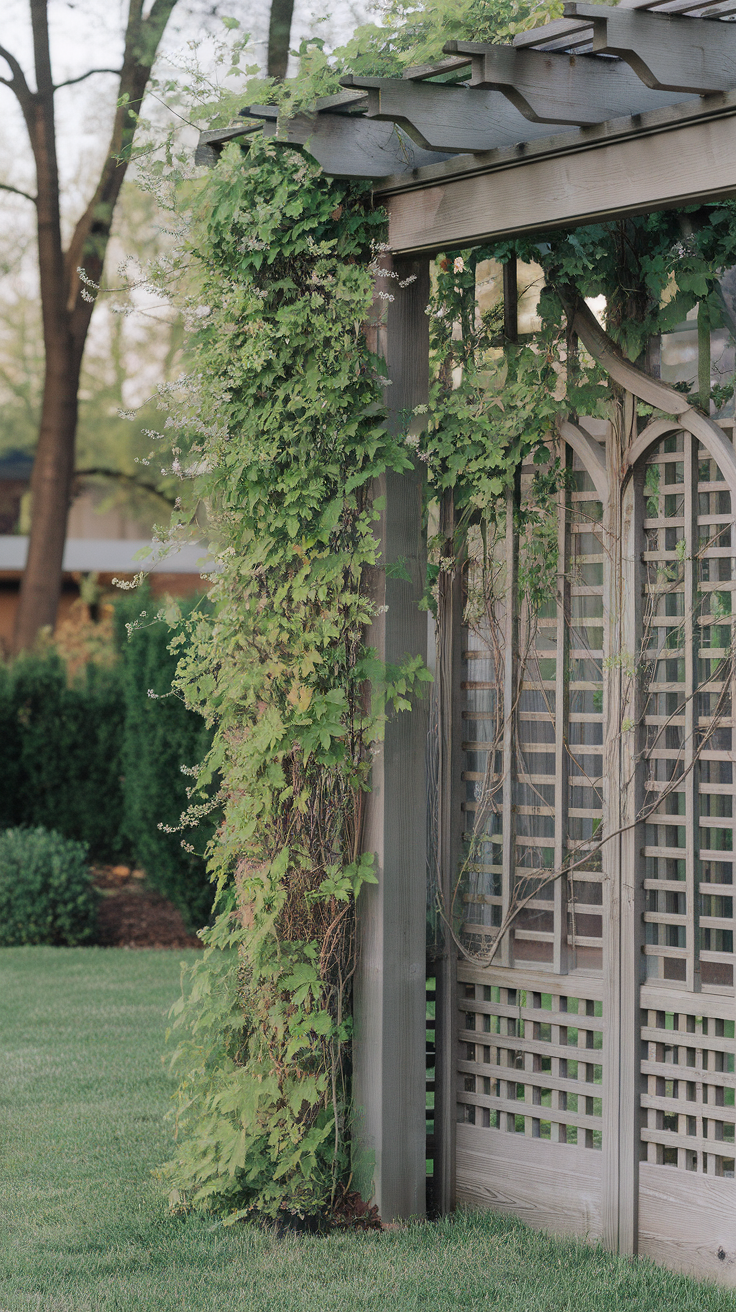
<point>288,405</point>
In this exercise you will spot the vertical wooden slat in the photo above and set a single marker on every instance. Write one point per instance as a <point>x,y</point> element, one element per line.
<point>510,300</point>
<point>623,909</point>
<point>631,793</point>
<point>562,682</point>
<point>611,854</point>
<point>510,677</point>
<point>691,637</point>
<point>390,996</point>
<point>449,656</point>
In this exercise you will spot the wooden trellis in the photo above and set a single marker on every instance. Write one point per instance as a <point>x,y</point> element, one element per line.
<point>591,1063</point>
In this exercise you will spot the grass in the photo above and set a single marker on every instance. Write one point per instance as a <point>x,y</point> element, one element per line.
<point>84,1228</point>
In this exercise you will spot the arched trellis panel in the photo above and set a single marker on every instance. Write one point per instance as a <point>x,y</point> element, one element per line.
<point>594,1066</point>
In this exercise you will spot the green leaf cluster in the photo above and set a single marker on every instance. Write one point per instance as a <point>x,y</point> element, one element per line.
<point>287,404</point>
<point>46,893</point>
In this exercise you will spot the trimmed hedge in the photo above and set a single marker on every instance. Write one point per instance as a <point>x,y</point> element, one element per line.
<point>99,761</point>
<point>60,752</point>
<point>46,894</point>
<point>161,735</point>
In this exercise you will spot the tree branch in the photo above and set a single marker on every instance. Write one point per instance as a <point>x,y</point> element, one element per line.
<point>72,81</point>
<point>130,479</point>
<point>90,237</point>
<point>17,82</point>
<point>5,186</point>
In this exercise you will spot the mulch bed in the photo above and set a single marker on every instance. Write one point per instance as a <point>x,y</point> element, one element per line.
<point>131,915</point>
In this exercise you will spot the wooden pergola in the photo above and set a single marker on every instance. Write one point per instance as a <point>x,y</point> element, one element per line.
<point>605,113</point>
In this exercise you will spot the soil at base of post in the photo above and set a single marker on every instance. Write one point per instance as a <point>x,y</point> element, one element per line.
<point>132,915</point>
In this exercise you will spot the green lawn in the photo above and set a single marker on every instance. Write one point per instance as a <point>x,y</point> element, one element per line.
<point>83,1225</point>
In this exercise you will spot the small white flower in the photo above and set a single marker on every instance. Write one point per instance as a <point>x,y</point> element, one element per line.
<point>458,264</point>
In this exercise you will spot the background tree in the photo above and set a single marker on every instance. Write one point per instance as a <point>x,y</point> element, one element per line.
<point>66,302</point>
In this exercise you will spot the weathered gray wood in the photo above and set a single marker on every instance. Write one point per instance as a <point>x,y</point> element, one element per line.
<point>664,159</point>
<point>611,853</point>
<point>449,657</point>
<point>687,1221</point>
<point>510,300</point>
<point>421,71</point>
<point>551,1186</point>
<point>631,798</point>
<point>447,118</point>
<point>670,54</point>
<point>590,453</point>
<point>562,957</point>
<point>572,34</point>
<point>691,637</point>
<point>658,394</point>
<point>561,88</point>
<point>510,722</point>
<point>390,997</point>
<point>346,146</point>
<point>211,143</point>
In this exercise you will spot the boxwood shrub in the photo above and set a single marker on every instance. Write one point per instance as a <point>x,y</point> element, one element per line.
<point>46,893</point>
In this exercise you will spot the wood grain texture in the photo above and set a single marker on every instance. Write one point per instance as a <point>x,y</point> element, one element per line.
<point>390,996</point>
<point>349,147</point>
<point>551,1186</point>
<point>631,791</point>
<point>561,88</point>
<point>687,1221</point>
<point>448,118</point>
<point>670,53</point>
<point>449,843</point>
<point>598,179</point>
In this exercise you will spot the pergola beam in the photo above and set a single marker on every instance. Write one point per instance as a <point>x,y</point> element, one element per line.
<point>348,145</point>
<point>666,159</point>
<point>668,53</point>
<point>446,118</point>
<point>560,88</point>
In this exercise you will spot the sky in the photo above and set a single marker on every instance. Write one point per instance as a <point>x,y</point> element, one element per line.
<point>89,33</point>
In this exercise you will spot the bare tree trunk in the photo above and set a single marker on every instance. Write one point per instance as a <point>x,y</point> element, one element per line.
<point>279,35</point>
<point>51,483</point>
<point>66,304</point>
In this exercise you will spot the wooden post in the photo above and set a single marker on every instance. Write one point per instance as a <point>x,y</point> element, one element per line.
<point>390,987</point>
<point>450,827</point>
<point>623,883</point>
<point>510,301</point>
<point>563,888</point>
<point>510,720</point>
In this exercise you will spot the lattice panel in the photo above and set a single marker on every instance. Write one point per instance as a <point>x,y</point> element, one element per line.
<point>532,803</point>
<point>690,577</point>
<point>483,780</point>
<point>531,1062</point>
<point>688,1117</point>
<point>585,735</point>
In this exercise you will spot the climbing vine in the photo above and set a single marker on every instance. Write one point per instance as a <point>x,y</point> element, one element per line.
<point>289,410</point>
<point>284,406</point>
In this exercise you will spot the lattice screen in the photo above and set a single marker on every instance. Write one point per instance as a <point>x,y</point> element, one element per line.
<point>531,1062</point>
<point>539,795</point>
<point>689,565</point>
<point>535,797</point>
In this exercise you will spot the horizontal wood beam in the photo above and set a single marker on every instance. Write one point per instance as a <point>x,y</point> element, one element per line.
<point>561,88</point>
<point>447,118</point>
<point>665,159</point>
<point>669,53</point>
<point>348,146</point>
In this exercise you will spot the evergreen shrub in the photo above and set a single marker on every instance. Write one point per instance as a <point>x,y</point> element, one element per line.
<point>46,893</point>
<point>96,759</point>
<point>161,735</point>
<point>60,758</point>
